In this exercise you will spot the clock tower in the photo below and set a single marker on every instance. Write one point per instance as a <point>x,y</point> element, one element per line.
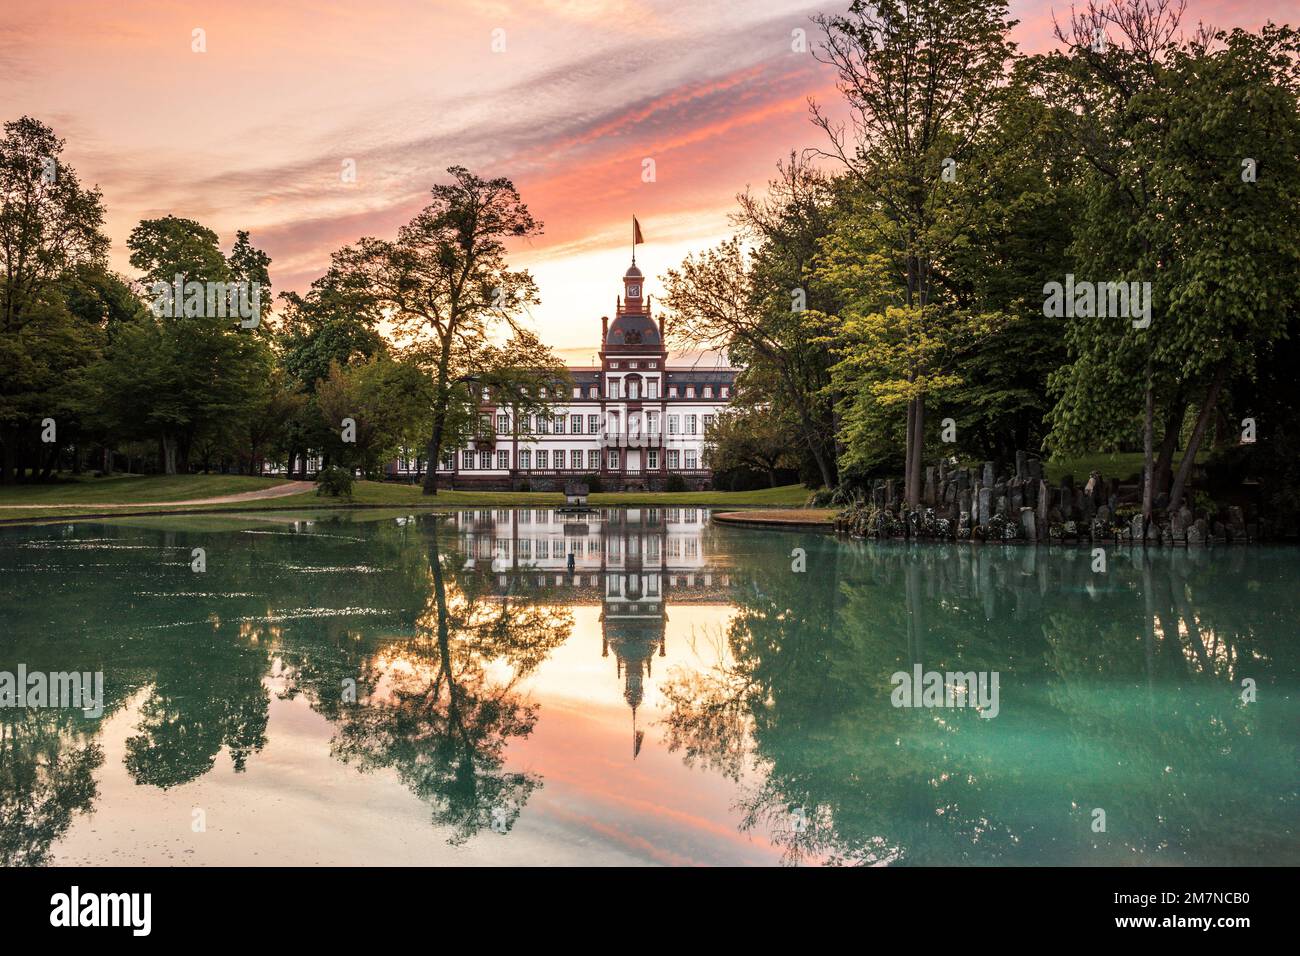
<point>633,291</point>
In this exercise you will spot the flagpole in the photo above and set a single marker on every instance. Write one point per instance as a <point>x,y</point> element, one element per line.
<point>634,239</point>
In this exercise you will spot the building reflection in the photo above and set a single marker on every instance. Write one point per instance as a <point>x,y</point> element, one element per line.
<point>633,562</point>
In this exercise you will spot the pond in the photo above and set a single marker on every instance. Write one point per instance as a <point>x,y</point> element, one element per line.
<point>638,686</point>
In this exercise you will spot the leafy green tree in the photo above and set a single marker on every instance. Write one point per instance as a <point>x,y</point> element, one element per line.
<point>751,439</point>
<point>449,291</point>
<point>753,297</point>
<point>50,225</point>
<point>922,80</point>
<point>1166,127</point>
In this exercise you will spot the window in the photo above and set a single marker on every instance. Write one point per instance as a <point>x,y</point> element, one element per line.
<point>484,426</point>
<point>591,392</point>
<point>559,458</point>
<point>485,393</point>
<point>559,424</point>
<point>575,424</point>
<point>612,386</point>
<point>690,391</point>
<point>525,459</point>
<point>593,424</point>
<point>690,424</point>
<point>613,458</point>
<point>577,391</point>
<point>708,423</point>
<point>543,424</point>
<point>503,459</point>
<point>652,423</point>
<point>672,391</point>
<point>653,460</point>
<point>674,459</point>
<point>673,421</point>
<point>690,459</point>
<point>485,460</point>
<point>503,424</point>
<point>448,460</point>
<point>612,426</point>
<point>708,391</point>
<point>466,460</point>
<point>631,365</point>
<point>725,391</point>
<point>575,456</point>
<point>593,459</point>
<point>613,365</point>
<point>634,390</point>
<point>652,388</point>
<point>542,456</point>
<point>527,424</point>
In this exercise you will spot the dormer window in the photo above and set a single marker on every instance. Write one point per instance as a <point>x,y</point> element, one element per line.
<point>577,391</point>
<point>725,391</point>
<point>708,391</point>
<point>672,391</point>
<point>690,391</point>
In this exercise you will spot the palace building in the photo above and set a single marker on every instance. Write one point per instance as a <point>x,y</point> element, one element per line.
<point>633,420</point>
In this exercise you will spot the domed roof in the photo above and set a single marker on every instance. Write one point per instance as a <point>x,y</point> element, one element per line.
<point>632,328</point>
<point>633,273</point>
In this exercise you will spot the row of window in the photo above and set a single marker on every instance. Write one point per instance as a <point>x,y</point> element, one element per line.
<point>556,424</point>
<point>544,459</point>
<point>634,389</point>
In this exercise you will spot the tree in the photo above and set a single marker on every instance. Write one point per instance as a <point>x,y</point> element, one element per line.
<point>49,225</point>
<point>1164,124</point>
<point>201,366</point>
<point>752,297</point>
<point>921,79</point>
<point>448,289</point>
<point>755,439</point>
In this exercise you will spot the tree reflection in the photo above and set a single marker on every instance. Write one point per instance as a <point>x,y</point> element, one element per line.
<point>47,766</point>
<point>447,703</point>
<point>1119,691</point>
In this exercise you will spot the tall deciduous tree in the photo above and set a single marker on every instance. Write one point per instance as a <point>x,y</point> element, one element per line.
<point>449,291</point>
<point>921,79</point>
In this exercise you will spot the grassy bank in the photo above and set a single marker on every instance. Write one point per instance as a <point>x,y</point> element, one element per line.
<point>85,494</point>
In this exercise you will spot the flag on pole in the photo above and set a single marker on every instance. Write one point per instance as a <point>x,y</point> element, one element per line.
<point>636,232</point>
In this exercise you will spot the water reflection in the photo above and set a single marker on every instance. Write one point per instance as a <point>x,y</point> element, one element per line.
<point>430,644</point>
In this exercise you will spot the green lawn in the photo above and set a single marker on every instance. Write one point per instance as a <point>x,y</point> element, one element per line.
<point>1121,465</point>
<point>86,494</point>
<point>133,488</point>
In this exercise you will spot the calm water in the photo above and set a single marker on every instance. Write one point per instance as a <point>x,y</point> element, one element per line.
<point>682,696</point>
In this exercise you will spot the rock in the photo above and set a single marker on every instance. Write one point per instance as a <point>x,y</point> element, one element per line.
<point>985,507</point>
<point>989,477</point>
<point>1028,525</point>
<point>1035,469</point>
<point>1135,527</point>
<point>1022,470</point>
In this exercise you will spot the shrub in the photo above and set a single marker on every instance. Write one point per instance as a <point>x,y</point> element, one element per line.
<point>675,483</point>
<point>334,481</point>
<point>593,484</point>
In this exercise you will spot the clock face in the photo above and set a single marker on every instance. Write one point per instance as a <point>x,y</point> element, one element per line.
<point>634,292</point>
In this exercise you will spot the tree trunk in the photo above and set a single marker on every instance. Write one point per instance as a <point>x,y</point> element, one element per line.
<point>1148,456</point>
<point>1169,444</point>
<point>907,448</point>
<point>1198,432</point>
<point>918,449</point>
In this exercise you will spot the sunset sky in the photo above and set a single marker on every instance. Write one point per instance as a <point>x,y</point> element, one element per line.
<point>254,132</point>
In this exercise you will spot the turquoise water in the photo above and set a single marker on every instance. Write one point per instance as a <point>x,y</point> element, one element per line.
<point>375,688</point>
